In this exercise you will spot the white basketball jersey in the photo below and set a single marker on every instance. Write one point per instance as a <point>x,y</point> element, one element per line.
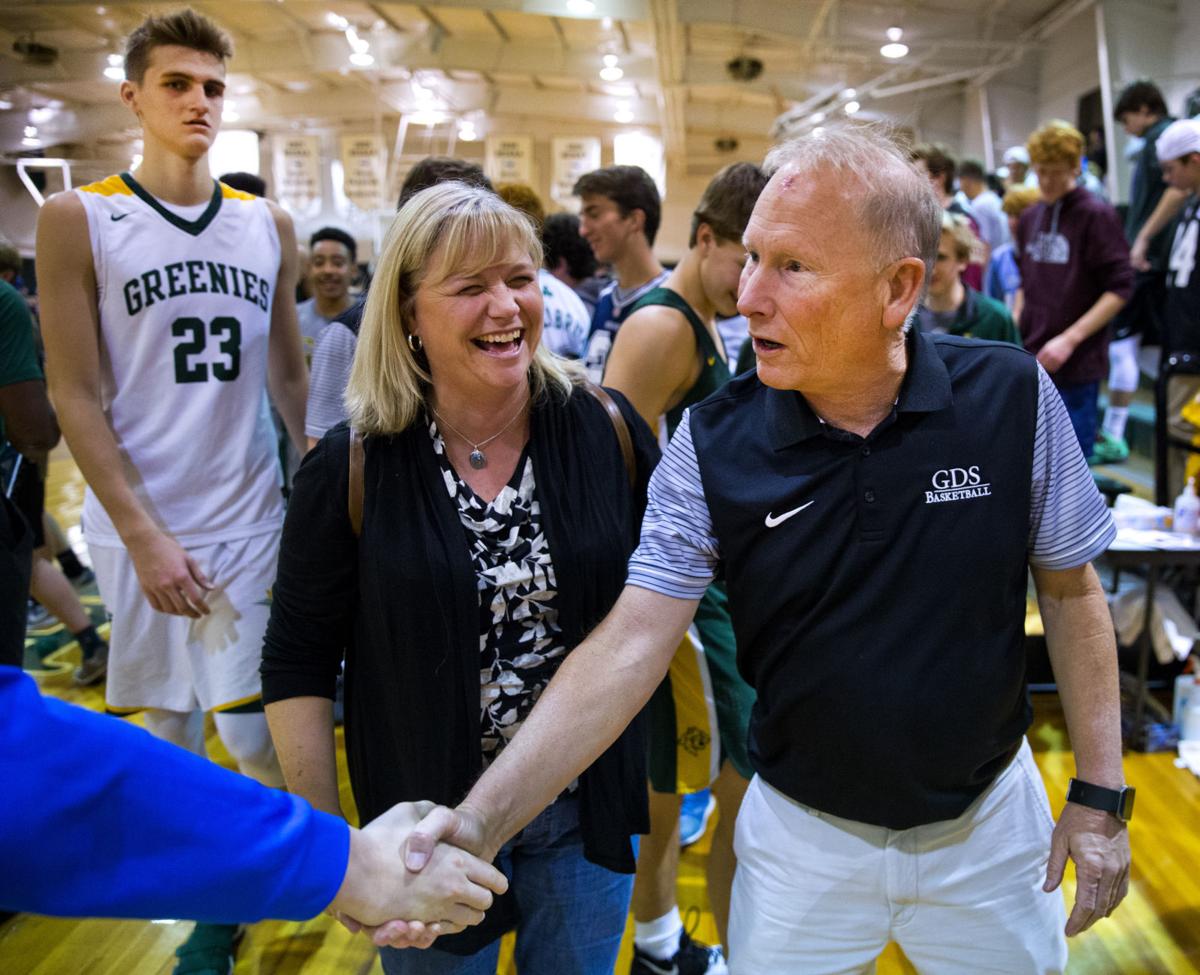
<point>185,312</point>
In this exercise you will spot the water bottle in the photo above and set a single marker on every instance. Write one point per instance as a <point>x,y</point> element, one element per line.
<point>1187,510</point>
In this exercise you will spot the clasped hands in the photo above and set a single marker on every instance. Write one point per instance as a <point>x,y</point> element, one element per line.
<point>436,887</point>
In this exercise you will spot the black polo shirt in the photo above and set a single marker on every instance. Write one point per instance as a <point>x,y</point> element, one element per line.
<point>877,584</point>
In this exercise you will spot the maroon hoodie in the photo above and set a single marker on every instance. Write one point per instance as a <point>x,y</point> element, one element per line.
<point>1070,253</point>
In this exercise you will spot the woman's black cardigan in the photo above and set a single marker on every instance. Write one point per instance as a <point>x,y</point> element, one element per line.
<point>401,603</point>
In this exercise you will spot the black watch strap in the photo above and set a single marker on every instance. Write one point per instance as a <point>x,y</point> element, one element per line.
<point>1119,802</point>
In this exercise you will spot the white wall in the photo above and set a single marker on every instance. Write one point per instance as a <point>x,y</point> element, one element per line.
<point>18,212</point>
<point>1013,101</point>
<point>1069,68</point>
<point>1140,36</point>
<point>1185,75</point>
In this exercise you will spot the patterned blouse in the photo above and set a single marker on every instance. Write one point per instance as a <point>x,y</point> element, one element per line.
<point>520,641</point>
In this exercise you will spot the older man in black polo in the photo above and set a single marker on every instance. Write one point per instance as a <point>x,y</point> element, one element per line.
<point>875,499</point>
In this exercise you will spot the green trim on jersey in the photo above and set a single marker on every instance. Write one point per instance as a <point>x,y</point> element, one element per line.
<point>194,227</point>
<point>714,370</point>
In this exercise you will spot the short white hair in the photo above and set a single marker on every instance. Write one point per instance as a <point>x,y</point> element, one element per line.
<point>896,207</point>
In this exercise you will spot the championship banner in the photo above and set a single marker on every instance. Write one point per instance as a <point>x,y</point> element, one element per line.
<point>297,171</point>
<point>570,159</point>
<point>509,159</point>
<point>364,170</point>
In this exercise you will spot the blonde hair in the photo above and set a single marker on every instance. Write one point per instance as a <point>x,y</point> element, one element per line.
<point>1018,199</point>
<point>448,226</point>
<point>524,197</point>
<point>956,225</point>
<point>1056,142</point>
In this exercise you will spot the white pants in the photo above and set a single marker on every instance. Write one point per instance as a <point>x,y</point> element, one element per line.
<point>815,893</point>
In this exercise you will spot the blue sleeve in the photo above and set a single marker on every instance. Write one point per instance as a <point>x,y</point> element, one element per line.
<point>98,818</point>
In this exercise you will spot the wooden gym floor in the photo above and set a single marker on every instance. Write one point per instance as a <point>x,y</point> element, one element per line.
<point>1156,930</point>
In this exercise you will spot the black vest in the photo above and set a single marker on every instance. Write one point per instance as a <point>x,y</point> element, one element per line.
<point>878,585</point>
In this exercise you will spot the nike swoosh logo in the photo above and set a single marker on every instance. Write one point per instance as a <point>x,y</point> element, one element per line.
<point>772,520</point>
<point>114,217</point>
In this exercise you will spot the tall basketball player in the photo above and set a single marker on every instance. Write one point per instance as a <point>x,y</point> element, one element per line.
<point>163,334</point>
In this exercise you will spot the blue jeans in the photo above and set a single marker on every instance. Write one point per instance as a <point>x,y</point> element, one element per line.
<point>1081,401</point>
<point>572,911</point>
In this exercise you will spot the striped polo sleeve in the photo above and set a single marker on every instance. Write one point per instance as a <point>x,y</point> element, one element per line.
<point>1069,523</point>
<point>677,555</point>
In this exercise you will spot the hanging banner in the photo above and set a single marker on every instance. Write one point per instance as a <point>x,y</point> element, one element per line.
<point>642,149</point>
<point>571,158</point>
<point>509,159</point>
<point>364,170</point>
<point>297,171</point>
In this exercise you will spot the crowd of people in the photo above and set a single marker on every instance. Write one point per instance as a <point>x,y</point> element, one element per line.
<point>577,536</point>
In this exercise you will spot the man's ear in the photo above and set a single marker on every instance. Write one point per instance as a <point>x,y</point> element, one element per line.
<point>128,93</point>
<point>903,282</point>
<point>638,216</point>
<point>705,237</point>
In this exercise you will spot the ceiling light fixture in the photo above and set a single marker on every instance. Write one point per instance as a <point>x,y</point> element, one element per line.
<point>581,8</point>
<point>623,114</point>
<point>851,107</point>
<point>466,130</point>
<point>30,131</point>
<point>5,104</point>
<point>229,112</point>
<point>894,49</point>
<point>818,117</point>
<point>336,20</point>
<point>611,71</point>
<point>362,59</point>
<point>116,68</point>
<point>30,141</point>
<point>818,130</point>
<point>849,93</point>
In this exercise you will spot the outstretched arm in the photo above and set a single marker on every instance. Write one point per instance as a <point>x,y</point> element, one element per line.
<point>1169,204</point>
<point>101,819</point>
<point>621,664</point>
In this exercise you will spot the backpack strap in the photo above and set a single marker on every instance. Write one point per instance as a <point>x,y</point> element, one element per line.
<point>354,495</point>
<point>620,427</point>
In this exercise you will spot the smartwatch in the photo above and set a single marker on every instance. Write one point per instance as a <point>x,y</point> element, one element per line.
<point>1119,802</point>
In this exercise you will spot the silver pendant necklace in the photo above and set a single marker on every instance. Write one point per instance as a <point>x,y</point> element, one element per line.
<point>477,458</point>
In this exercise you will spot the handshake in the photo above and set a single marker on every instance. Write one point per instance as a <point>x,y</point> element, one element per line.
<point>405,886</point>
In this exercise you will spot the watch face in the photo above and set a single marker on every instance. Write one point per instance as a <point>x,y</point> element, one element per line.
<point>1125,807</point>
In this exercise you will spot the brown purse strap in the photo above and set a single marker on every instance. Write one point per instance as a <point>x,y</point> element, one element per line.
<point>354,496</point>
<point>620,427</point>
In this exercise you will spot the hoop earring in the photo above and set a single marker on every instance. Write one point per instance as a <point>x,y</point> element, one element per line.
<point>415,343</point>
